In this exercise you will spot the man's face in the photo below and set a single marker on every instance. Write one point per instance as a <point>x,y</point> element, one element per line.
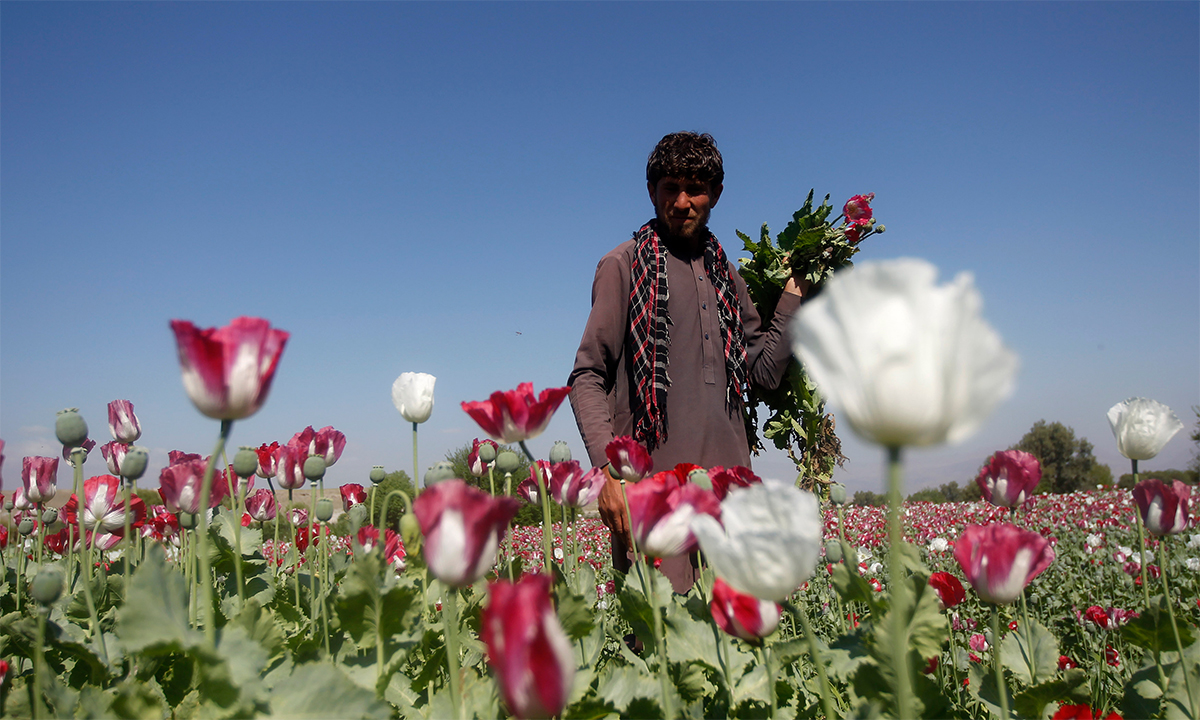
<point>683,204</point>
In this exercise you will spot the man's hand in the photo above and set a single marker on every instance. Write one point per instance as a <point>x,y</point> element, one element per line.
<point>799,287</point>
<point>612,507</point>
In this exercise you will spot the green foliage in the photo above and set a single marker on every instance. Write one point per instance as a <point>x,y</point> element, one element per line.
<point>810,247</point>
<point>1067,463</point>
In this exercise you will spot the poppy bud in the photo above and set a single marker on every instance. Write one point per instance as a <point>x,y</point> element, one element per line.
<point>560,452</point>
<point>880,228</point>
<point>837,494</point>
<point>324,509</point>
<point>48,585</point>
<point>358,515</point>
<point>438,472</point>
<point>700,477</point>
<point>187,521</point>
<point>245,462</point>
<point>410,530</point>
<point>314,467</point>
<point>49,516</point>
<point>506,461</point>
<point>70,427</point>
<point>26,526</point>
<point>487,452</point>
<point>8,505</point>
<point>377,474</point>
<point>833,551</point>
<point>133,465</point>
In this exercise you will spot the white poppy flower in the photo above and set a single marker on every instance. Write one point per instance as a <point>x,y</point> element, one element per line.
<point>907,361</point>
<point>1142,427</point>
<point>412,394</point>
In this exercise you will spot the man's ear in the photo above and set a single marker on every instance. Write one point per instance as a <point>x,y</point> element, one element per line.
<point>715,194</point>
<point>650,189</point>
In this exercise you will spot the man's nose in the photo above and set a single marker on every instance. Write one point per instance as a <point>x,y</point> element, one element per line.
<point>683,201</point>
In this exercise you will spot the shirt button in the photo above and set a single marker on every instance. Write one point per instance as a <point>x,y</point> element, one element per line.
<point>703,306</point>
<point>700,278</point>
<point>705,336</point>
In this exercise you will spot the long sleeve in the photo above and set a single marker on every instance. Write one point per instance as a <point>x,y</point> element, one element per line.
<point>768,348</point>
<point>598,359</point>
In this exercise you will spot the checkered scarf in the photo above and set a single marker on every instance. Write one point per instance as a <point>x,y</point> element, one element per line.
<point>650,338</point>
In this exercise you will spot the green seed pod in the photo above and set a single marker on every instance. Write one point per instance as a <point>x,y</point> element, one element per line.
<point>70,427</point>
<point>700,477</point>
<point>377,474</point>
<point>358,516</point>
<point>48,585</point>
<point>133,465</point>
<point>439,472</point>
<point>324,509</point>
<point>833,551</point>
<point>26,526</point>
<point>507,461</point>
<point>880,228</point>
<point>49,516</point>
<point>314,467</point>
<point>245,462</point>
<point>410,531</point>
<point>560,452</point>
<point>837,494</point>
<point>487,452</point>
<point>8,505</point>
<point>187,521</point>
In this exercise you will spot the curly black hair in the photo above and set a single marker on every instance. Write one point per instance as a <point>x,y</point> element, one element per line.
<point>686,155</point>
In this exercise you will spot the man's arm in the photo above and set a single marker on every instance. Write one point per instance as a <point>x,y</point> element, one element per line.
<point>768,349</point>
<point>597,363</point>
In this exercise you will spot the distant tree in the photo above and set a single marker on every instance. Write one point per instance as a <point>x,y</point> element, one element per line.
<point>1067,463</point>
<point>969,492</point>
<point>397,480</point>
<point>866,497</point>
<point>932,495</point>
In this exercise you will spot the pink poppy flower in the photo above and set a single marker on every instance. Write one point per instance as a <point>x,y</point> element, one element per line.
<point>999,560</point>
<point>326,443</point>
<point>122,423</point>
<point>1009,477</point>
<point>516,415</point>
<point>261,505</point>
<point>114,455</point>
<point>570,485</point>
<point>352,494</point>
<point>661,510</point>
<point>180,487</point>
<point>227,372</point>
<point>479,467</point>
<point>462,528</point>
<point>742,615</point>
<point>527,647</point>
<point>858,209</point>
<point>290,466</point>
<point>1164,508</point>
<point>104,506</point>
<point>39,478</point>
<point>628,458</point>
<point>268,460</point>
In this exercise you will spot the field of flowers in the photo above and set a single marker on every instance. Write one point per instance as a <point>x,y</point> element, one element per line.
<point>205,597</point>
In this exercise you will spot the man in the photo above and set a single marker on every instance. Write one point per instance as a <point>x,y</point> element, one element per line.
<point>673,339</point>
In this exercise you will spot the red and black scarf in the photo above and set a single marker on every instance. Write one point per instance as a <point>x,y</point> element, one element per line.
<point>650,338</point>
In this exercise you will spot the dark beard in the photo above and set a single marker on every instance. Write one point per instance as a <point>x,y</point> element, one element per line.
<point>693,240</point>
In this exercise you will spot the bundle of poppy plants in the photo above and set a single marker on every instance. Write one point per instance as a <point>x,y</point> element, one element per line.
<point>221,600</point>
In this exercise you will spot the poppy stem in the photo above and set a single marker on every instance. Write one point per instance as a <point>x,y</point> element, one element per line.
<point>450,622</point>
<point>206,582</point>
<point>415,477</point>
<point>1187,683</point>
<point>899,589</point>
<point>1000,686</point>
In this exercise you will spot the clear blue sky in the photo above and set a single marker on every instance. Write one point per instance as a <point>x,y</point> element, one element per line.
<point>428,187</point>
